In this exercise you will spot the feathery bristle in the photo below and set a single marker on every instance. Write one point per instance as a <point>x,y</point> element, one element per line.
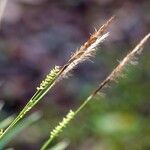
<point>90,51</point>
<point>104,27</point>
<point>129,59</point>
<point>91,40</point>
<point>80,54</point>
<point>117,72</point>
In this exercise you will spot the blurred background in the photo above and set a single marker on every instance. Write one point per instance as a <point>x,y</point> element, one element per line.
<point>35,35</point>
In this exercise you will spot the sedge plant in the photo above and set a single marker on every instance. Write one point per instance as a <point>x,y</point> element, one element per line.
<point>86,51</point>
<point>114,75</point>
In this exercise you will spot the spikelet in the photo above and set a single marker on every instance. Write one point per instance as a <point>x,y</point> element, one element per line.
<point>118,71</point>
<point>91,40</point>
<point>49,78</point>
<point>62,124</point>
<point>90,52</point>
<point>86,50</point>
<point>129,59</point>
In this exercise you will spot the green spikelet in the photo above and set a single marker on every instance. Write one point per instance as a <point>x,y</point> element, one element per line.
<point>58,129</point>
<point>62,124</point>
<point>49,78</point>
<point>41,91</point>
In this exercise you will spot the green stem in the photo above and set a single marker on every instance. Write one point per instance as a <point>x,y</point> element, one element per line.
<point>21,114</point>
<point>48,142</point>
<point>83,104</point>
<point>32,102</point>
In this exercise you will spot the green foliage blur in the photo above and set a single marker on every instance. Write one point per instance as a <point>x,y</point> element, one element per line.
<point>35,35</point>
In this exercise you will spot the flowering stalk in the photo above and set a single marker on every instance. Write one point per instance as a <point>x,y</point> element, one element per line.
<point>56,74</point>
<point>115,74</point>
<point>35,98</point>
<point>87,50</point>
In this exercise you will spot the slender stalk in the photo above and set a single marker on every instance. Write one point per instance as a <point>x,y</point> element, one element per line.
<point>34,100</point>
<point>45,145</point>
<point>117,72</point>
<point>56,74</point>
<point>62,124</point>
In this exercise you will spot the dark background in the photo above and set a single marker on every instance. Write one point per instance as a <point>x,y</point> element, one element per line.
<point>35,35</point>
